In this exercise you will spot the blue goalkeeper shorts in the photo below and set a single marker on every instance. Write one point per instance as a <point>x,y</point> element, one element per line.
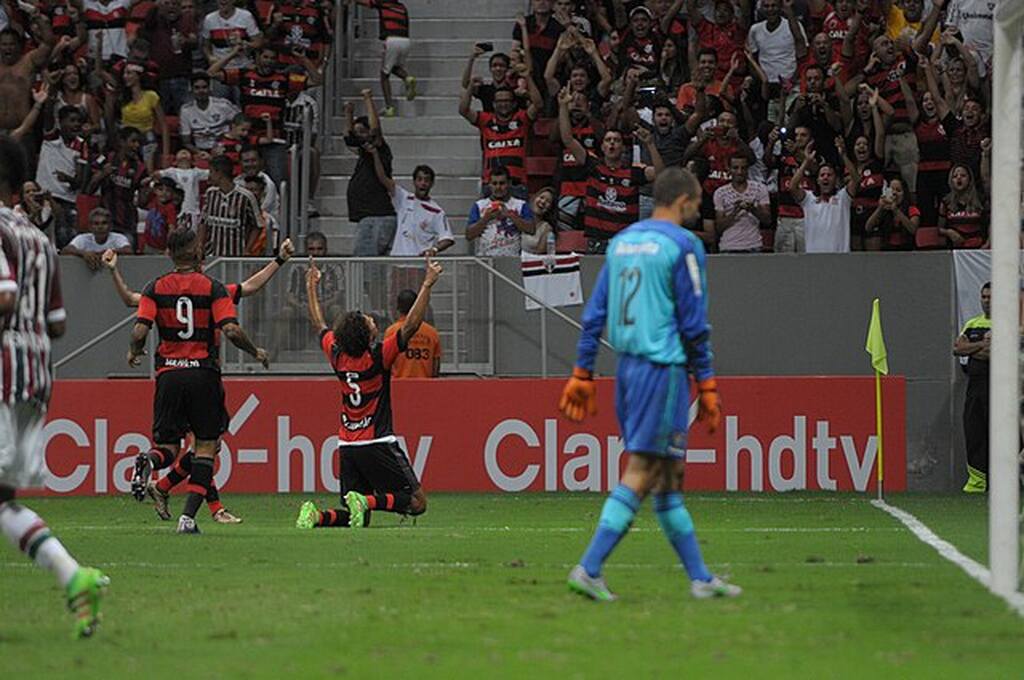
<point>652,403</point>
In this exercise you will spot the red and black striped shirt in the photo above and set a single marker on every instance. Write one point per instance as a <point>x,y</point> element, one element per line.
<point>787,206</point>
<point>869,190</point>
<point>504,143</point>
<point>262,93</point>
<point>365,388</point>
<point>393,18</point>
<point>613,198</point>
<point>29,270</point>
<point>933,143</point>
<point>970,223</point>
<point>304,25</point>
<point>188,308</point>
<point>718,153</point>
<point>570,175</point>
<point>887,81</point>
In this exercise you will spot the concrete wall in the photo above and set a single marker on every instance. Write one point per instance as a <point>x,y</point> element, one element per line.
<point>772,315</point>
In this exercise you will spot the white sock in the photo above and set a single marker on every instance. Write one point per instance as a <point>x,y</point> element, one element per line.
<point>28,533</point>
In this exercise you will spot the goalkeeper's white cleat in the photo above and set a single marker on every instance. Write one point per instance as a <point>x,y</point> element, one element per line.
<point>716,587</point>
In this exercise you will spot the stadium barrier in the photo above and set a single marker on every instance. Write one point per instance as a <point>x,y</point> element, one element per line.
<point>778,434</point>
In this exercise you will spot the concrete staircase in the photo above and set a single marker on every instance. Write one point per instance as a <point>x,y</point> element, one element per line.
<point>428,130</point>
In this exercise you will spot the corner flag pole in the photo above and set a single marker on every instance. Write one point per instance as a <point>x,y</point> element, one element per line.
<point>875,346</point>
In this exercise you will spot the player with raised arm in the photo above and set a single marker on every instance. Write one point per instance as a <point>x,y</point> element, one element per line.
<point>190,310</point>
<point>31,313</point>
<point>651,294</point>
<point>159,492</point>
<point>375,472</point>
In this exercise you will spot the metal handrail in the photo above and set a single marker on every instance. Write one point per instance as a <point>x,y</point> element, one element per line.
<point>544,306</point>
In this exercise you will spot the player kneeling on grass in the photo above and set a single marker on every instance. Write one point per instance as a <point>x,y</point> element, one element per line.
<point>651,295</point>
<point>375,472</point>
<point>31,313</point>
<point>159,492</point>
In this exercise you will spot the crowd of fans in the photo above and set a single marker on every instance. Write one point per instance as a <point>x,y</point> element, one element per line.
<point>814,127</point>
<point>144,117</point>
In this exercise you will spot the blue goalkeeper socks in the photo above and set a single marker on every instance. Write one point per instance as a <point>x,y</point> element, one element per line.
<point>677,524</point>
<point>616,516</point>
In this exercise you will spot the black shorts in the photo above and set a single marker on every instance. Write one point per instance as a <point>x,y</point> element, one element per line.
<point>189,400</point>
<point>376,468</point>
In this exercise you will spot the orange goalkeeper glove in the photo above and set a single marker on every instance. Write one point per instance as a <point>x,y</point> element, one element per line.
<point>709,410</point>
<point>579,396</point>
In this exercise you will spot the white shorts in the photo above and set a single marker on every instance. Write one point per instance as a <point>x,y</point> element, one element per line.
<point>396,49</point>
<point>22,462</point>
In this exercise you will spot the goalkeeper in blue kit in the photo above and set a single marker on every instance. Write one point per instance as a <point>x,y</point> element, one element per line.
<point>651,295</point>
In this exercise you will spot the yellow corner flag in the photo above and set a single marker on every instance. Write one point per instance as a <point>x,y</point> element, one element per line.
<point>875,346</point>
<point>876,343</point>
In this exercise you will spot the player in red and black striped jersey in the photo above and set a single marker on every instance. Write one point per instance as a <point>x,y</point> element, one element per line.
<point>375,472</point>
<point>613,186</point>
<point>190,310</point>
<point>503,134</point>
<point>182,467</point>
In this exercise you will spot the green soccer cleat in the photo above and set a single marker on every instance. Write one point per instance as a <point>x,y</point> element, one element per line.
<point>977,481</point>
<point>357,507</point>
<point>389,112</point>
<point>589,586</point>
<point>308,516</point>
<point>410,88</point>
<point>84,591</point>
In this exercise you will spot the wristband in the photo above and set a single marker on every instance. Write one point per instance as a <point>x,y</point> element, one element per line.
<point>707,385</point>
<point>280,261</point>
<point>582,373</point>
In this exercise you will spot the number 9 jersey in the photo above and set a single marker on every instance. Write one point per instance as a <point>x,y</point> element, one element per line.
<point>188,308</point>
<point>651,295</point>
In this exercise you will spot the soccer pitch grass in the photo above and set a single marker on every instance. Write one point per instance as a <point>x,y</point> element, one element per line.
<point>833,588</point>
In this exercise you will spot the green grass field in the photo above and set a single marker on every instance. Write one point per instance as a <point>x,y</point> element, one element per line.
<point>834,588</point>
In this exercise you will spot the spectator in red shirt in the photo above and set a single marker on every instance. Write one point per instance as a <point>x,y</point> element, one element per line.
<point>640,46</point>
<point>717,146</point>
<point>499,65</point>
<point>503,134</point>
<point>571,45</point>
<point>726,35</point>
<point>703,81</point>
<point>935,126</point>
<point>122,182</point>
<point>161,218</point>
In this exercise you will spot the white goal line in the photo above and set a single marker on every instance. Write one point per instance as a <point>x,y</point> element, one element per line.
<point>978,572</point>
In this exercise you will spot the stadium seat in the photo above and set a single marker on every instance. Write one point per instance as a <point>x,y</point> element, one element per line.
<point>768,240</point>
<point>928,238</point>
<point>84,203</point>
<point>542,127</point>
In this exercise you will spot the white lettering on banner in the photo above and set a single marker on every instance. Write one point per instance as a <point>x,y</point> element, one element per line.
<point>590,461</point>
<point>101,454</point>
<point>124,467</point>
<point>327,476</point>
<point>508,428</point>
<point>859,471</point>
<point>823,444</point>
<point>286,445</point>
<point>797,445</point>
<point>67,428</point>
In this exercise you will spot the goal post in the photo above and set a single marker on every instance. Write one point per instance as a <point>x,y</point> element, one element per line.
<point>1004,415</point>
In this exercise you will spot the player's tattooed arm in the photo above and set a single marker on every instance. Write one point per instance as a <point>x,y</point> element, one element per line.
<point>316,314</point>
<point>240,340</point>
<point>255,283</point>
<point>137,345</point>
<point>128,296</point>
